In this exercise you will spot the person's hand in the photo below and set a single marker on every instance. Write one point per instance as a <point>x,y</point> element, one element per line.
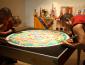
<point>70,42</point>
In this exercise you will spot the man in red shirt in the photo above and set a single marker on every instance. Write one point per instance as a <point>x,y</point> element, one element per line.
<point>78,23</point>
<point>78,19</point>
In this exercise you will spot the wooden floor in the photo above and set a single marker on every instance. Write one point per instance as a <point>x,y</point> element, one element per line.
<point>71,60</point>
<point>21,63</point>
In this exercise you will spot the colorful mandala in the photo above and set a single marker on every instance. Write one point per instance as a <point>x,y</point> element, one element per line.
<point>37,38</point>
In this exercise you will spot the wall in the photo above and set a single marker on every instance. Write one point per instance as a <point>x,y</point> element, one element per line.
<point>47,4</point>
<point>25,8</point>
<point>17,7</point>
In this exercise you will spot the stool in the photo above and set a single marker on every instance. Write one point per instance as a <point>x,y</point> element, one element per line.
<point>79,48</point>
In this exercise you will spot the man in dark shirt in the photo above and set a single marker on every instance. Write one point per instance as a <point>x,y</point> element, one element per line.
<point>6,23</point>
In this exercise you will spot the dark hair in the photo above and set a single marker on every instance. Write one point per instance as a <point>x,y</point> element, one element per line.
<point>79,11</point>
<point>83,10</point>
<point>4,12</point>
<point>16,20</point>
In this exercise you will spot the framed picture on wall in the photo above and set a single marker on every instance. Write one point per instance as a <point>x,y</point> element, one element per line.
<point>66,10</point>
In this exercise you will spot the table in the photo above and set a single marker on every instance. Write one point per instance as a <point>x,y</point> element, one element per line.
<point>52,55</point>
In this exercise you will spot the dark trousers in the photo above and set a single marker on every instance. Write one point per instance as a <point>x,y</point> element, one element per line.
<point>7,61</point>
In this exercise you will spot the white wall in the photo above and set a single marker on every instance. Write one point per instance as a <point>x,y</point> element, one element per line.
<point>25,8</point>
<point>47,4</point>
<point>35,4</point>
<point>17,7</point>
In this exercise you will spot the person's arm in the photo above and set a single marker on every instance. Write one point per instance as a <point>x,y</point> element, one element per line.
<point>7,32</point>
<point>78,30</point>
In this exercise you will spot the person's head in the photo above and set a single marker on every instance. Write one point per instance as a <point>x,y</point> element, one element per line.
<point>83,11</point>
<point>79,12</point>
<point>4,12</point>
<point>16,20</point>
